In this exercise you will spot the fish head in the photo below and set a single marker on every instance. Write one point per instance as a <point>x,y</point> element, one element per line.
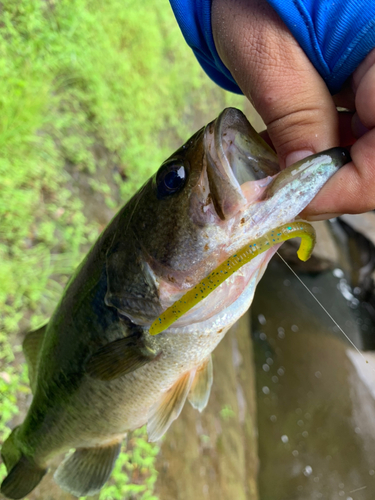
<point>220,190</point>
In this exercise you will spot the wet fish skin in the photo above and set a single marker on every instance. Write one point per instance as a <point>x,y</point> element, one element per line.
<point>98,372</point>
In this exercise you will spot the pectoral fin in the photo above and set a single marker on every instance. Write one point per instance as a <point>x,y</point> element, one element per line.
<point>118,358</point>
<point>201,386</point>
<point>86,471</point>
<point>168,408</point>
<point>32,345</point>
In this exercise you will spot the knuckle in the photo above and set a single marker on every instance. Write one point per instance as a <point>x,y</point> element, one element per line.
<point>299,129</point>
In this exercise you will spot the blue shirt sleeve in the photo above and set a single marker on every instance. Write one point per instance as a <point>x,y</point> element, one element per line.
<point>194,19</point>
<point>335,35</point>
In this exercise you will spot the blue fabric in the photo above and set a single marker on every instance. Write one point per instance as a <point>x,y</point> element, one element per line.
<point>336,35</point>
<point>194,18</point>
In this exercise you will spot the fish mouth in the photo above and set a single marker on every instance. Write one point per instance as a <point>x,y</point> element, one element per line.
<point>238,166</point>
<point>235,155</point>
<point>251,196</point>
<point>245,180</point>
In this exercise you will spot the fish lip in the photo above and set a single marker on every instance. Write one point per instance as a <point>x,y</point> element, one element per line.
<point>323,165</point>
<point>293,189</point>
<point>235,154</point>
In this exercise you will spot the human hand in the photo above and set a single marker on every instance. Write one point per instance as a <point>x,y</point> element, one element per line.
<point>300,114</point>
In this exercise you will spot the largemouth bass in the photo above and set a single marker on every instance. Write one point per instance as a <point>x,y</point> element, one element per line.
<point>95,371</point>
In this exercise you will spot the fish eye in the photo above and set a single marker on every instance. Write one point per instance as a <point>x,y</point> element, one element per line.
<point>171,178</point>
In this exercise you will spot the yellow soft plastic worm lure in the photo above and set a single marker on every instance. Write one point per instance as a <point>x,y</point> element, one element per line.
<point>282,233</point>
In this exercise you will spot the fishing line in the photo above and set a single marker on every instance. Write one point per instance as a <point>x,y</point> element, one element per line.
<point>358,489</point>
<point>324,309</point>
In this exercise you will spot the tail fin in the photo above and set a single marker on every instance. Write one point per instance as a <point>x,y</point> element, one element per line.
<point>23,474</point>
<point>86,471</point>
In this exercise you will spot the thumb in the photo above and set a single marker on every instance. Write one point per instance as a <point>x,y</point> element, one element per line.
<point>277,77</point>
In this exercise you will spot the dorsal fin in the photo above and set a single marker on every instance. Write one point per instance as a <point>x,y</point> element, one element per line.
<point>31,348</point>
<point>201,386</point>
<point>168,408</point>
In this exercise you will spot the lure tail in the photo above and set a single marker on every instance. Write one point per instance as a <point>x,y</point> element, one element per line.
<point>23,474</point>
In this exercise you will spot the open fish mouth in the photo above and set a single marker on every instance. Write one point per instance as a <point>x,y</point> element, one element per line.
<point>244,174</point>
<point>251,197</point>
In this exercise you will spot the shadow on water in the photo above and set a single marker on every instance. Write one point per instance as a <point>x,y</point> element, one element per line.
<point>315,393</point>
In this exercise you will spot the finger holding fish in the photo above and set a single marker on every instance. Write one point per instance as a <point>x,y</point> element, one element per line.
<point>352,189</point>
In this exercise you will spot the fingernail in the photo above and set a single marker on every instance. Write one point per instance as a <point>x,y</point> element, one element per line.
<point>297,156</point>
<point>358,128</point>
<point>312,218</point>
